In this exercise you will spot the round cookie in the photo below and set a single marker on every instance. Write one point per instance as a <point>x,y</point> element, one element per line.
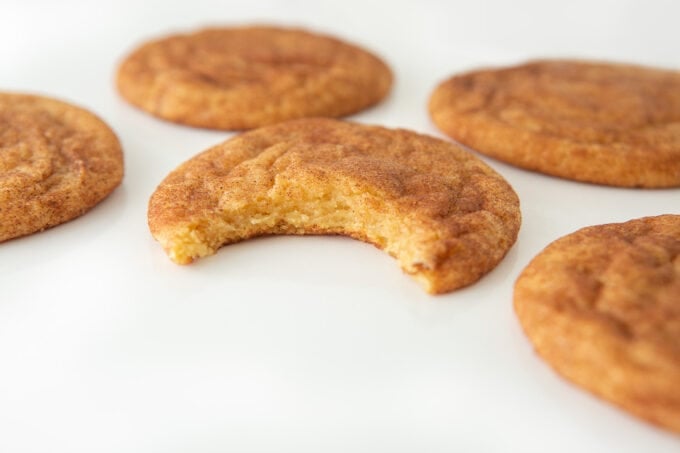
<point>610,124</point>
<point>56,162</point>
<point>242,78</point>
<point>602,307</point>
<point>442,213</point>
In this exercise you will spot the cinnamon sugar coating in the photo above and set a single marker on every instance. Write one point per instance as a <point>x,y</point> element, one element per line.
<point>442,213</point>
<point>602,123</point>
<point>56,162</point>
<point>602,307</point>
<point>246,77</point>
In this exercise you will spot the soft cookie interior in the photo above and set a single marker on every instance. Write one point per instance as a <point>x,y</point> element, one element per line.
<point>312,203</point>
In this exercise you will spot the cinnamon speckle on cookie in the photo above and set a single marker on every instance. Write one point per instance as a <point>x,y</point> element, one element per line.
<point>236,78</point>
<point>441,212</point>
<point>56,162</point>
<point>602,307</point>
<point>602,123</point>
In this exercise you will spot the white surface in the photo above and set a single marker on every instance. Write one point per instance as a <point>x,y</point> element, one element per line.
<point>295,344</point>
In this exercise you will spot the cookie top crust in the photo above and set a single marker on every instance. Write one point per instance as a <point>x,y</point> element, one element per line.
<point>246,77</point>
<point>446,216</point>
<point>56,162</point>
<point>602,123</point>
<point>602,306</point>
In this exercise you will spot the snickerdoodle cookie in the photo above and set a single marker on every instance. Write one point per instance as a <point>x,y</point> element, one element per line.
<point>602,123</point>
<point>56,162</point>
<point>442,213</point>
<point>241,78</point>
<point>602,306</point>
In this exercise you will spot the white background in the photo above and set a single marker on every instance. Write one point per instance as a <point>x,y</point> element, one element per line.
<point>296,344</point>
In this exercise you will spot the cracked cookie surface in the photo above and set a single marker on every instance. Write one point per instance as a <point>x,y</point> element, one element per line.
<point>602,306</point>
<point>602,123</point>
<point>445,215</point>
<point>56,162</point>
<point>242,78</point>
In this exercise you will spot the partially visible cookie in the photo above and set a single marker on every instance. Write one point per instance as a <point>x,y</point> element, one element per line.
<point>56,162</point>
<point>246,77</point>
<point>442,213</point>
<point>602,123</point>
<point>602,307</point>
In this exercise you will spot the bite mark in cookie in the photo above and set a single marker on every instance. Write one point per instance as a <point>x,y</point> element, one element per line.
<point>446,216</point>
